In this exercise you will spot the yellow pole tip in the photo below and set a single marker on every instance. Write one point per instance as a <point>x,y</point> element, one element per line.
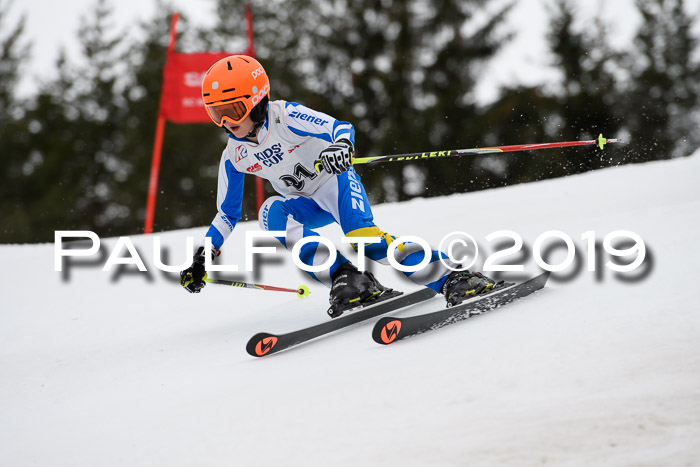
<point>601,141</point>
<point>303,291</point>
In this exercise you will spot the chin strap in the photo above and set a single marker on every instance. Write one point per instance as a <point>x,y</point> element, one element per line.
<point>256,128</point>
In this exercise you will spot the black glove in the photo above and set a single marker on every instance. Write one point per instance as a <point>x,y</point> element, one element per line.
<point>192,278</point>
<point>336,158</point>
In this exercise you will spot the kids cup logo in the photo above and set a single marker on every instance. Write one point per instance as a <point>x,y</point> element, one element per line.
<point>270,156</point>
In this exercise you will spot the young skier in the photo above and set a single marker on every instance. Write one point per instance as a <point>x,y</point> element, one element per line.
<point>285,143</point>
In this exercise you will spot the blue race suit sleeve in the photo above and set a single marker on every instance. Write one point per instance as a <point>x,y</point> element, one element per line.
<point>229,199</point>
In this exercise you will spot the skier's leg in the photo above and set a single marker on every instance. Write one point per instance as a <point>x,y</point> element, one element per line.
<point>297,216</point>
<point>347,201</point>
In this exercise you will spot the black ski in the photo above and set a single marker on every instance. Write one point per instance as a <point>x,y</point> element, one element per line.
<point>263,343</point>
<point>390,329</point>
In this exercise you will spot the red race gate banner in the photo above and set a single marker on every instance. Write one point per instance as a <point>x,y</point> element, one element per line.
<point>181,100</point>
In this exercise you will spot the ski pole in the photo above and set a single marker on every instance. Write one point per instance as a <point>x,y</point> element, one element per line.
<point>302,291</point>
<point>600,142</point>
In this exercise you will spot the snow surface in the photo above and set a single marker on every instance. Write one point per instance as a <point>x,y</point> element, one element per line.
<point>590,371</point>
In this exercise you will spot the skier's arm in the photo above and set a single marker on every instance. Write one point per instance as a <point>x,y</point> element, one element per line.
<point>229,199</point>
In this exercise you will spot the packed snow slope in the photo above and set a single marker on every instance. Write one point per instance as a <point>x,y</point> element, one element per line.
<point>97,370</point>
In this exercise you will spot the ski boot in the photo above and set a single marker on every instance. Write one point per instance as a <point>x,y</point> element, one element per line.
<point>352,289</point>
<point>461,285</point>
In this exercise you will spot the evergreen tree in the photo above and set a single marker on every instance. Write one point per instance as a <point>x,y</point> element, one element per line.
<point>18,162</point>
<point>461,45</point>
<point>13,52</point>
<point>101,108</point>
<point>664,103</point>
<point>77,118</point>
<point>590,97</point>
<point>582,105</point>
<point>522,114</point>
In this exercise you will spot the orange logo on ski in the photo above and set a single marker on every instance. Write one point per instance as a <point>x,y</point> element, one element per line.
<point>265,345</point>
<point>390,331</point>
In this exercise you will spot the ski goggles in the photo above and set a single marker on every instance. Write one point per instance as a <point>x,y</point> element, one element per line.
<point>234,111</point>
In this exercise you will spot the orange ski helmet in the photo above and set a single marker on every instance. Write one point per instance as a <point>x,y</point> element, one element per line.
<point>232,87</point>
